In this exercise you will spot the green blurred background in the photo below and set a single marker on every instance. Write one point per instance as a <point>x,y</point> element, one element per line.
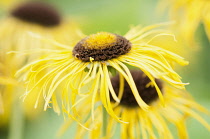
<point>117,16</point>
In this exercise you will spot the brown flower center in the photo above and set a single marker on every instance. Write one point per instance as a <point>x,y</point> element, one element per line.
<point>101,46</point>
<point>146,90</point>
<point>38,13</point>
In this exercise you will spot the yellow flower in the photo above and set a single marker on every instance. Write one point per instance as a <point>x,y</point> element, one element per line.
<point>6,4</point>
<point>29,17</point>
<point>5,88</point>
<point>151,124</point>
<point>15,35</point>
<point>85,68</point>
<point>189,14</point>
<point>1,105</point>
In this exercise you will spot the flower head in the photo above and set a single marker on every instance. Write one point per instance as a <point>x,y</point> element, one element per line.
<point>37,17</point>
<point>84,69</point>
<point>37,13</point>
<point>189,14</point>
<point>154,123</point>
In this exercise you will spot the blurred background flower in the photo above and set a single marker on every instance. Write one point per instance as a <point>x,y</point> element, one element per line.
<point>154,123</point>
<point>189,15</point>
<point>116,16</point>
<point>15,28</point>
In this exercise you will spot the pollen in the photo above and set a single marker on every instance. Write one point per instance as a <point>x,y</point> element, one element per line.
<point>100,40</point>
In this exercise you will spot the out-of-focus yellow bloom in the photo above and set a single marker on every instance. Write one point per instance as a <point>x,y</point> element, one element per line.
<point>151,124</point>
<point>6,88</point>
<point>1,105</point>
<point>188,14</point>
<point>5,4</point>
<point>85,68</point>
<point>36,17</point>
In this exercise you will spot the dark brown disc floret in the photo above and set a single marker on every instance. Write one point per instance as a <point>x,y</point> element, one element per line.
<point>112,50</point>
<point>147,92</point>
<point>38,13</point>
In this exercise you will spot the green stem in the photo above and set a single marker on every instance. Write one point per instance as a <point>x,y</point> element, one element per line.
<point>104,122</point>
<point>16,121</point>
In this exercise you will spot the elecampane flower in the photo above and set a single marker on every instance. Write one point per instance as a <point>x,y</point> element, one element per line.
<point>151,124</point>
<point>84,68</point>
<point>6,84</point>
<point>27,17</point>
<point>189,14</point>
